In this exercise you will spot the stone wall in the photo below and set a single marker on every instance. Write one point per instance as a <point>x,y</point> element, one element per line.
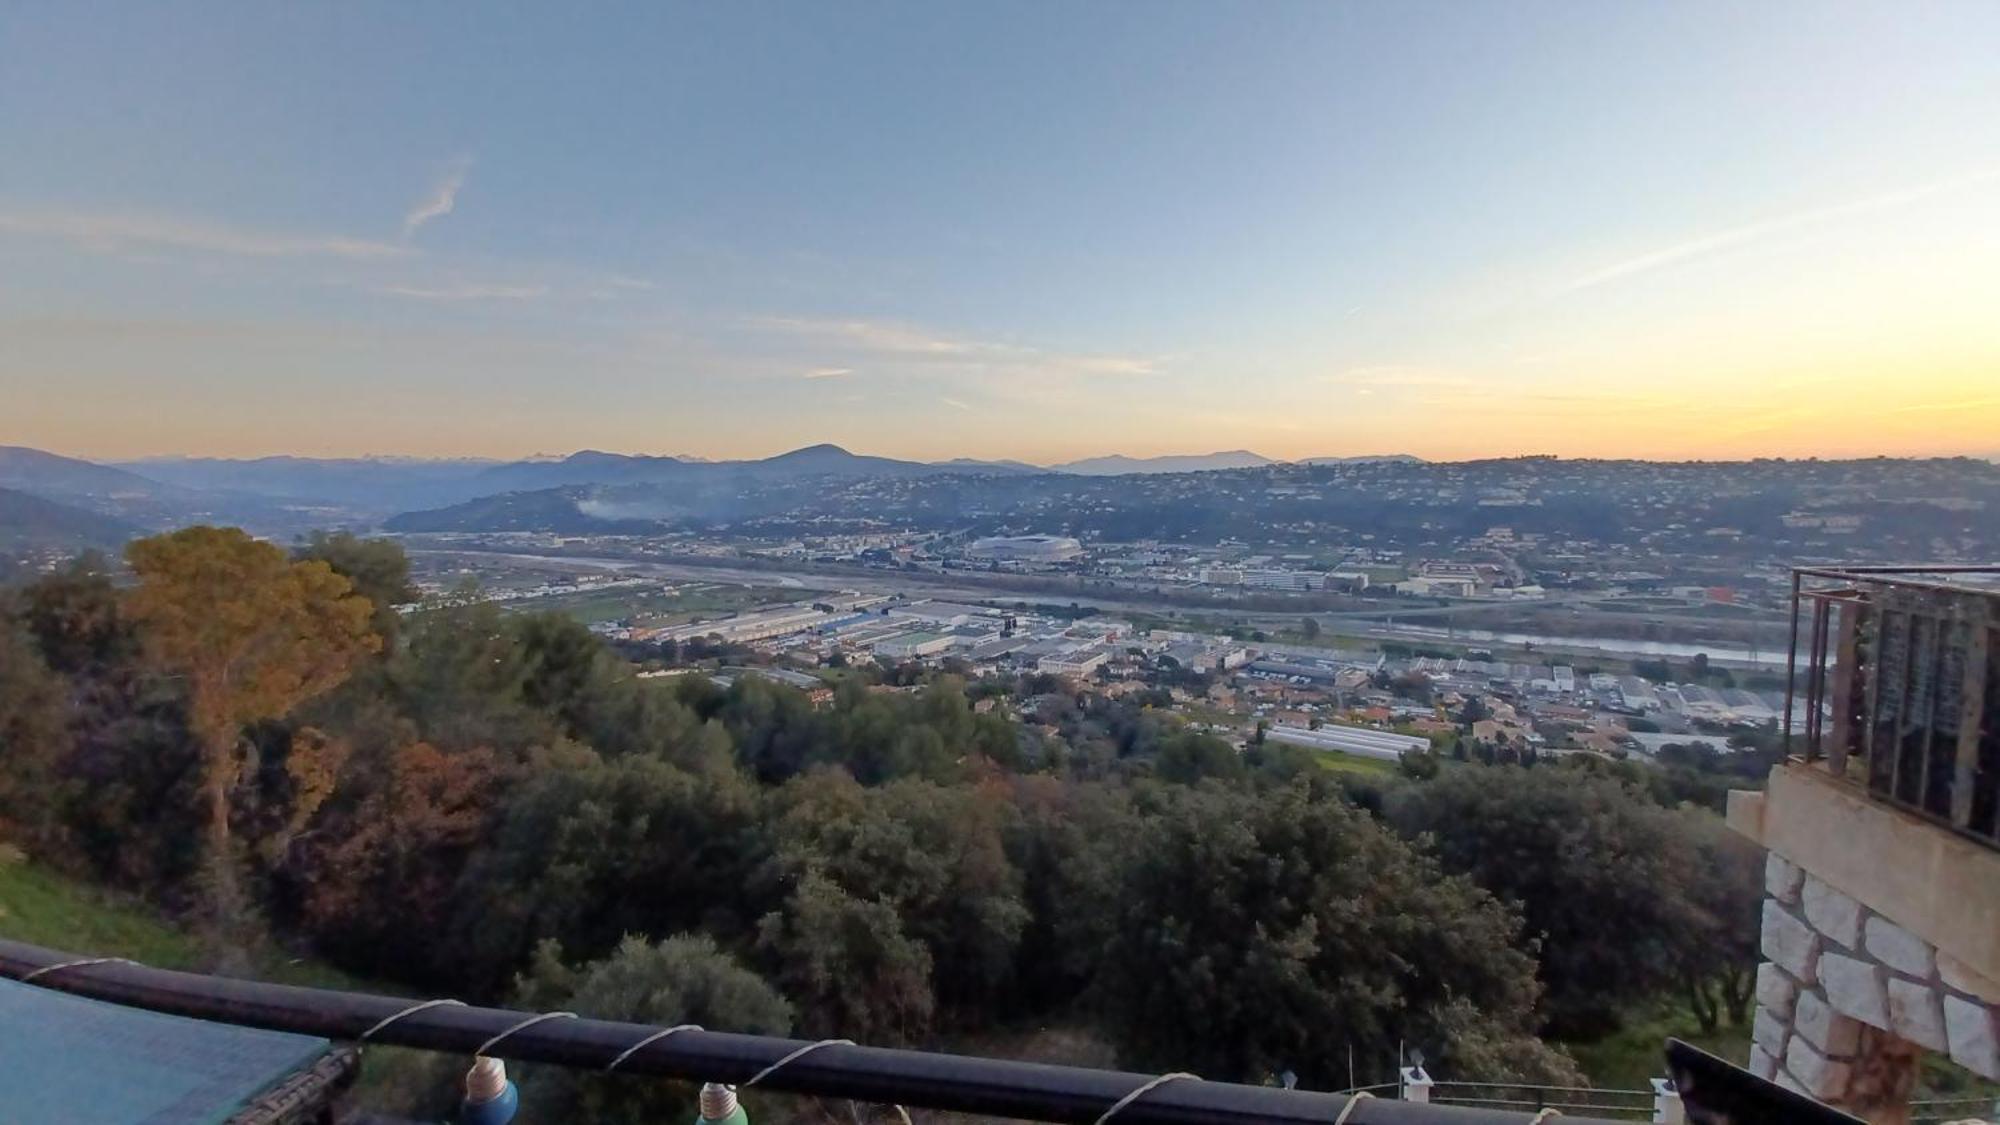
<point>1839,975</point>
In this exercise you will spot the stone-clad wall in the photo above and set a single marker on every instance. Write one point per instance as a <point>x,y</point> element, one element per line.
<point>1838,970</point>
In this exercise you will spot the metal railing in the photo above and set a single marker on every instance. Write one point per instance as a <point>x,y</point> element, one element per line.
<point>832,1069</point>
<point>1935,1111</point>
<point>1896,686</point>
<point>1630,1105</point>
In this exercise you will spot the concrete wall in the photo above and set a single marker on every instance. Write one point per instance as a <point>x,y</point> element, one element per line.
<point>1882,932</point>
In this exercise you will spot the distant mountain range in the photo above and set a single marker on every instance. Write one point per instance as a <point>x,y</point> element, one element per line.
<point>52,474</point>
<point>1119,464</point>
<point>64,501</point>
<point>361,482</point>
<point>587,489</point>
<point>102,489</point>
<point>1392,458</point>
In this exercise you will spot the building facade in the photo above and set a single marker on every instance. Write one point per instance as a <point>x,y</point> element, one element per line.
<point>1881,919</point>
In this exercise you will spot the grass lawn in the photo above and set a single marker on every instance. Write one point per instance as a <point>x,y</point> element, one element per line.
<point>47,909</point>
<point>1213,716</point>
<point>43,908</point>
<point>1629,1058</point>
<point>1347,763</point>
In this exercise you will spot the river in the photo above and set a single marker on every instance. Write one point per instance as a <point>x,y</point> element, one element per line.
<point>1609,646</point>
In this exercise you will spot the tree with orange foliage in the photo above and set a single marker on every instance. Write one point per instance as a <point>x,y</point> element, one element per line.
<point>378,883</point>
<point>251,634</point>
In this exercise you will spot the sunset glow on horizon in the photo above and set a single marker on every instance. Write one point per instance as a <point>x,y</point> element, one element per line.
<point>1702,231</point>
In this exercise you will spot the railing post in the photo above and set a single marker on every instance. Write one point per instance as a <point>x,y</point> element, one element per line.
<point>1416,1084</point>
<point>1667,1107</point>
<point>490,1098</point>
<point>1846,673</point>
<point>719,1106</point>
<point>1792,662</point>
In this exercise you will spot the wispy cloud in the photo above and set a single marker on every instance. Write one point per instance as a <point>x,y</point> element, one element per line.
<point>442,198</point>
<point>1734,237</point>
<point>1109,364</point>
<point>1396,376</point>
<point>873,336</point>
<point>906,344</point>
<point>113,231</point>
<point>1962,404</point>
<point>828,372</point>
<point>468,291</point>
<point>955,404</point>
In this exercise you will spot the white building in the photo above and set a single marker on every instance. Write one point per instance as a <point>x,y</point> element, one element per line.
<point>912,645</point>
<point>1283,580</point>
<point>945,613</point>
<point>1025,548</point>
<point>1080,663</point>
<point>751,626</point>
<point>1381,745</point>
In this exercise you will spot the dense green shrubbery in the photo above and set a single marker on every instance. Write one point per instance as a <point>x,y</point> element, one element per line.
<point>893,867</point>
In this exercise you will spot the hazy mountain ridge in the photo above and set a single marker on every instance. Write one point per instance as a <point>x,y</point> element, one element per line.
<point>1919,500</point>
<point>382,484</point>
<point>30,522</point>
<point>103,489</point>
<point>365,489</point>
<point>45,473</point>
<point>1117,464</point>
<point>1364,459</point>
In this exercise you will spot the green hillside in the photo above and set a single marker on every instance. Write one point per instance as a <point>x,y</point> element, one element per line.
<point>43,908</point>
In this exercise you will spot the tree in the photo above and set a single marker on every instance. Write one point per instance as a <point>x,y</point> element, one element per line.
<point>377,879</point>
<point>1187,756</point>
<point>459,676</point>
<point>251,634</point>
<point>1658,671</point>
<point>935,856</point>
<point>849,964</point>
<point>76,621</point>
<point>1261,932</point>
<point>1716,953</point>
<point>34,742</point>
<point>1071,843</point>
<point>588,849</point>
<point>1598,871</point>
<point>1418,765</point>
<point>377,568</point>
<point>1310,627</point>
<point>127,743</point>
<point>686,979</point>
<point>562,662</point>
<point>1473,710</point>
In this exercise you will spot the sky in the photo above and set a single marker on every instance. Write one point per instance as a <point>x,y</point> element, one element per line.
<point>1034,230</point>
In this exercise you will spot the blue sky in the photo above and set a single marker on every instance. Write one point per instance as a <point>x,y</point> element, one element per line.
<point>1032,230</point>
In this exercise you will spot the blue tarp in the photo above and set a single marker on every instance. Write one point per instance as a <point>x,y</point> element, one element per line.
<point>76,1061</point>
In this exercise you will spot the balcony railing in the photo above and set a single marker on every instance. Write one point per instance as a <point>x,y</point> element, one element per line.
<point>1894,684</point>
<point>1570,1101</point>
<point>827,1069</point>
